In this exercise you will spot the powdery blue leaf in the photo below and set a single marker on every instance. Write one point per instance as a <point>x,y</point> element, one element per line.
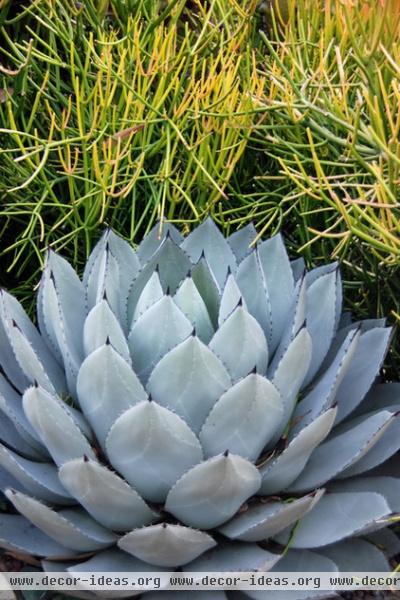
<point>363,370</point>
<point>279,472</point>
<point>61,313</point>
<point>230,298</point>
<point>338,516</point>
<point>105,496</point>
<point>295,322</point>
<point>189,300</point>
<point>20,535</point>
<point>106,387</point>
<point>356,555</point>
<point>110,270</point>
<point>386,446</point>
<point>39,479</point>
<point>385,540</point>
<point>316,273</point>
<point>189,380</point>
<point>69,527</point>
<point>154,239</point>
<point>322,395</point>
<point>152,447</point>
<point>162,327</point>
<point>208,288</point>
<point>262,521</point>
<point>55,427</point>
<point>343,449</point>
<point>13,440</point>
<point>166,545</point>
<point>11,406</point>
<point>208,240</point>
<point>172,264</point>
<point>388,487</point>
<point>234,557</point>
<point>152,293</point>
<point>240,344</point>
<point>8,361</point>
<point>28,360</point>
<point>241,241</point>
<point>212,491</point>
<point>289,376</point>
<point>101,325</point>
<point>321,315</point>
<point>244,418</point>
<point>279,283</point>
<point>341,334</point>
<point>298,267</point>
<point>251,281</point>
<point>12,312</point>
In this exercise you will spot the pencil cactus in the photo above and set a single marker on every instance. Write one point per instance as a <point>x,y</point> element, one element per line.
<point>198,403</point>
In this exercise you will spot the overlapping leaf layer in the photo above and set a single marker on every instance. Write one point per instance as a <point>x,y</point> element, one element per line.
<point>200,404</point>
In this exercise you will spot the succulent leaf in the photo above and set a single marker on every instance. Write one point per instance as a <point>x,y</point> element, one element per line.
<point>279,283</point>
<point>206,284</point>
<point>208,239</point>
<point>162,327</point>
<point>212,491</point>
<point>101,325</point>
<point>290,374</point>
<point>18,534</point>
<point>11,406</point>
<point>152,293</point>
<point>321,318</point>
<point>244,419</point>
<point>12,313</point>
<point>263,521</point>
<point>240,344</point>
<point>231,296</point>
<point>155,238</point>
<point>235,557</point>
<point>362,371</point>
<point>172,264</point>
<point>342,450</point>
<point>105,495</point>
<point>39,479</point>
<point>152,447</point>
<point>55,427</point>
<point>189,380</point>
<point>388,487</point>
<point>324,392</point>
<point>70,527</point>
<point>279,472</point>
<point>241,241</point>
<point>251,281</point>
<point>189,300</point>
<point>338,516</point>
<point>107,386</point>
<point>166,545</point>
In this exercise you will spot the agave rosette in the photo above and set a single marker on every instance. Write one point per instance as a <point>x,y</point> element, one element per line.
<point>197,404</point>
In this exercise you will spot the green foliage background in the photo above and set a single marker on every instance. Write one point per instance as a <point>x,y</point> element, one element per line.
<point>286,114</point>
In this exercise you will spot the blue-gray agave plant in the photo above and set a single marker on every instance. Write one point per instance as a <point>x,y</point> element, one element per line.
<point>197,404</point>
